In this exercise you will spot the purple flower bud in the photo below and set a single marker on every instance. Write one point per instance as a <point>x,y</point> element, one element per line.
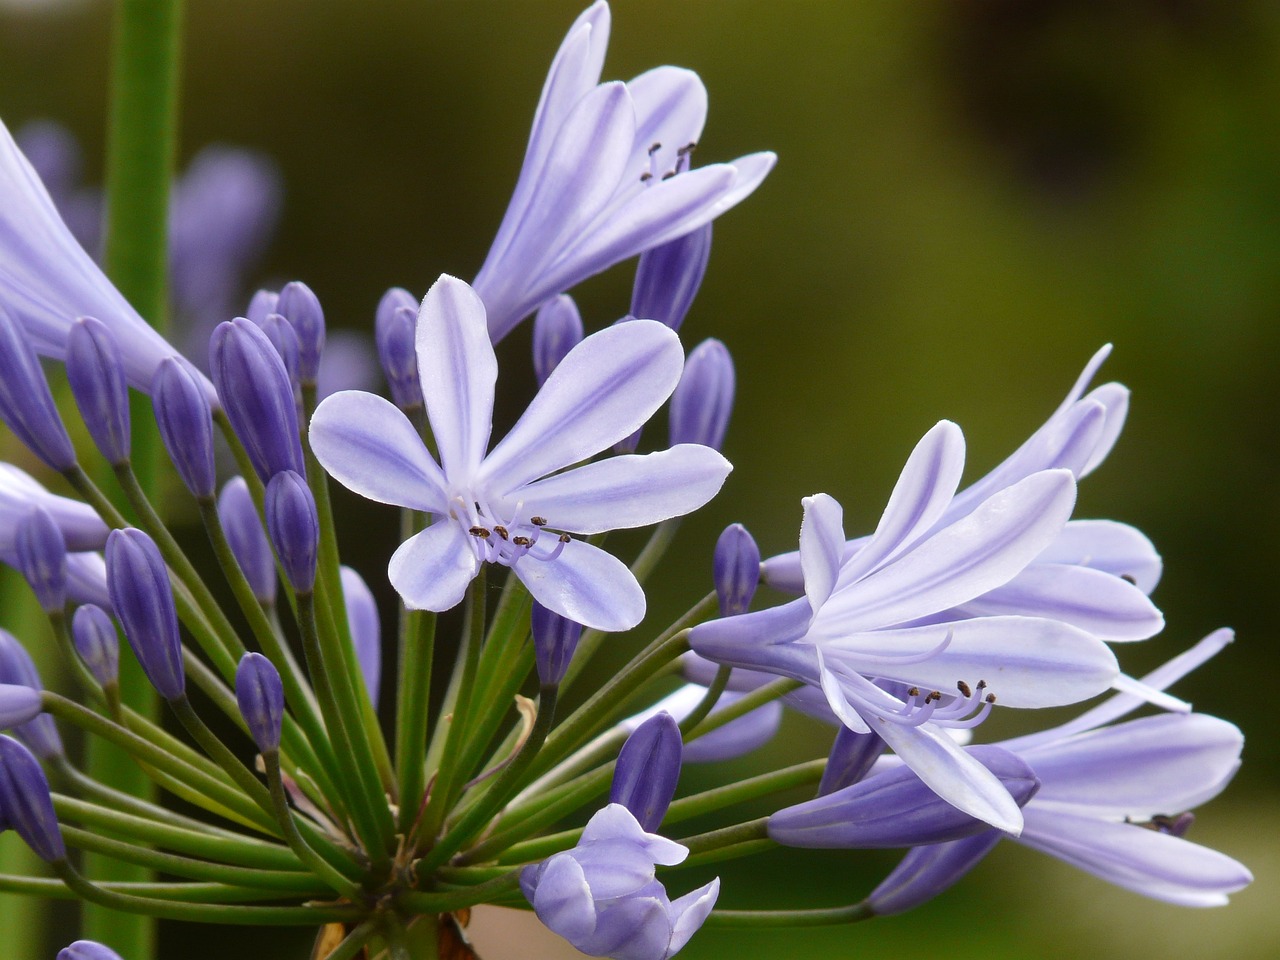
<point>26,404</point>
<point>668,277</point>
<point>397,352</point>
<point>263,303</point>
<point>258,397</point>
<point>40,733</point>
<point>25,801</point>
<point>555,638</point>
<point>302,309</point>
<point>703,400</point>
<point>87,950</point>
<point>186,423</point>
<point>394,299</point>
<point>895,809</point>
<point>19,703</point>
<point>96,374</point>
<point>285,339</point>
<point>648,769</point>
<point>294,528</point>
<point>927,871</point>
<point>143,600</point>
<point>736,568</point>
<point>557,329</point>
<point>851,758</point>
<point>247,539</point>
<point>97,643</point>
<point>42,558</point>
<point>260,695</point>
<point>366,629</point>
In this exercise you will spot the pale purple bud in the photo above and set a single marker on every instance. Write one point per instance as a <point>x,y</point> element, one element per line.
<point>851,758</point>
<point>257,396</point>
<point>25,801</point>
<point>301,307</point>
<point>703,400</point>
<point>26,404</point>
<point>143,601</point>
<point>895,809</point>
<point>648,770</point>
<point>927,871</point>
<point>260,695</point>
<point>97,643</point>
<point>736,567</point>
<point>285,339</point>
<point>557,329</point>
<point>41,554</point>
<point>247,539</point>
<point>293,527</point>
<point>186,423</point>
<point>87,950</point>
<point>261,305</point>
<point>366,629</point>
<point>95,372</point>
<point>555,638</point>
<point>394,299</point>
<point>668,278</point>
<point>19,704</point>
<point>397,352</point>
<point>39,733</point>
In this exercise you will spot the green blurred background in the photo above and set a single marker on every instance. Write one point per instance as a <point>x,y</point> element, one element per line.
<point>971,197</point>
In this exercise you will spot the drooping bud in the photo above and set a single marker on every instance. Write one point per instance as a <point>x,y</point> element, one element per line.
<point>143,600</point>
<point>555,638</point>
<point>293,527</point>
<point>186,423</point>
<point>97,643</point>
<point>703,400</point>
<point>18,704</point>
<point>25,801</point>
<point>668,278</point>
<point>257,396</point>
<point>927,871</point>
<point>648,769</point>
<point>247,539</point>
<point>42,558</point>
<point>366,629</point>
<point>301,307</point>
<point>261,304</point>
<point>95,372</point>
<point>285,339</point>
<point>87,950</point>
<point>26,404</point>
<point>557,329</point>
<point>39,733</point>
<point>736,567</point>
<point>260,695</point>
<point>851,758</point>
<point>397,352</point>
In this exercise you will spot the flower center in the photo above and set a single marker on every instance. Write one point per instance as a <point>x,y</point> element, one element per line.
<point>507,540</point>
<point>682,161</point>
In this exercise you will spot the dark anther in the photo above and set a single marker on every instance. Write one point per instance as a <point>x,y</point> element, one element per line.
<point>478,507</point>
<point>565,538</point>
<point>654,149</point>
<point>963,688</point>
<point>646,177</point>
<point>982,684</point>
<point>500,531</point>
<point>687,149</point>
<point>481,532</point>
<point>522,542</point>
<point>913,692</point>
<point>933,695</point>
<point>1129,579</point>
<point>991,698</point>
<point>668,175</point>
<point>538,521</point>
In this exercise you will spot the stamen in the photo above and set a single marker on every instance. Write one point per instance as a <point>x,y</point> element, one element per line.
<point>538,521</point>
<point>964,689</point>
<point>500,531</point>
<point>481,532</point>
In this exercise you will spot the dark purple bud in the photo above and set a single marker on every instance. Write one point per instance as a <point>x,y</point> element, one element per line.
<point>96,375</point>
<point>25,801</point>
<point>247,539</point>
<point>895,809</point>
<point>393,300</point>
<point>261,305</point>
<point>736,567</point>
<point>143,600</point>
<point>285,339</point>
<point>41,554</point>
<point>927,871</point>
<point>648,769</point>
<point>301,308</point>
<point>186,423</point>
<point>294,528</point>
<point>97,643</point>
<point>26,404</point>
<point>668,277</point>
<point>260,695</point>
<point>557,329</point>
<point>257,396</point>
<point>554,641</point>
<point>851,758</point>
<point>39,733</point>
<point>87,950</point>
<point>703,400</point>
<point>366,629</point>
<point>398,354</point>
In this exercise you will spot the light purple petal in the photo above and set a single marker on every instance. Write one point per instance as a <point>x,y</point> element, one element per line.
<point>615,822</point>
<point>821,547</point>
<point>366,444</point>
<point>80,524</point>
<point>1114,397</point>
<point>750,639</point>
<point>688,913</point>
<point>671,108</point>
<point>586,585</point>
<point>1115,548</point>
<point>432,569</point>
<point>562,899</point>
<point>636,928</point>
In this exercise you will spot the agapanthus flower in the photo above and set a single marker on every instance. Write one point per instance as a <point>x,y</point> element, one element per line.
<point>605,177</point>
<point>517,505</point>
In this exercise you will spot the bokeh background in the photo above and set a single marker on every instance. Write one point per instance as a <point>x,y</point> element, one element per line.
<point>971,198</point>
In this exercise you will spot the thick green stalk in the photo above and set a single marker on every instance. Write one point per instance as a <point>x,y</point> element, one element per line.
<point>300,847</point>
<point>819,917</point>
<point>413,699</point>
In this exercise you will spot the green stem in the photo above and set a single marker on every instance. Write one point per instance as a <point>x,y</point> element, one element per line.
<point>821,917</point>
<point>415,901</point>
<point>413,703</point>
<point>220,754</point>
<point>759,786</point>
<point>728,836</point>
<point>707,703</point>
<point>186,892</point>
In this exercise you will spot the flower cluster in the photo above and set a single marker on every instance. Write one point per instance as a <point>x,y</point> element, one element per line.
<point>508,791</point>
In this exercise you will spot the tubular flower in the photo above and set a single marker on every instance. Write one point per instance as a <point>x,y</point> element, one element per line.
<point>506,506</point>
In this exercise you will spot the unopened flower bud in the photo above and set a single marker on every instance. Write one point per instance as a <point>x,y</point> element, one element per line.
<point>851,758</point>
<point>260,695</point>
<point>87,950</point>
<point>736,567</point>
<point>555,638</point>
<point>95,372</point>
<point>366,629</point>
<point>294,528</point>
<point>39,733</point>
<point>19,703</point>
<point>26,404</point>
<point>143,600</point>
<point>398,355</point>
<point>557,329</point>
<point>97,643</point>
<point>396,298</point>
<point>247,539</point>
<point>186,424</point>
<point>262,304</point>
<point>648,770</point>
<point>42,558</point>
<point>301,307</point>
<point>25,801</point>
<point>285,339</point>
<point>668,278</point>
<point>927,871</point>
<point>703,400</point>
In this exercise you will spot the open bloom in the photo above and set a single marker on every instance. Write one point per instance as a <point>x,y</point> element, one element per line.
<point>605,177</point>
<point>517,505</point>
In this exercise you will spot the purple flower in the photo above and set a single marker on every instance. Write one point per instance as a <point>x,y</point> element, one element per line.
<point>668,277</point>
<point>19,704</point>
<point>603,898</point>
<point>606,176</point>
<point>734,739</point>
<point>555,638</point>
<point>97,643</point>
<point>737,569</point>
<point>87,950</point>
<point>517,505</point>
<point>247,539</point>
<point>40,733</point>
<point>648,770</point>
<point>81,527</point>
<point>294,528</point>
<point>366,629</point>
<point>143,600</point>
<point>25,803</point>
<point>557,329</point>
<point>260,696</point>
